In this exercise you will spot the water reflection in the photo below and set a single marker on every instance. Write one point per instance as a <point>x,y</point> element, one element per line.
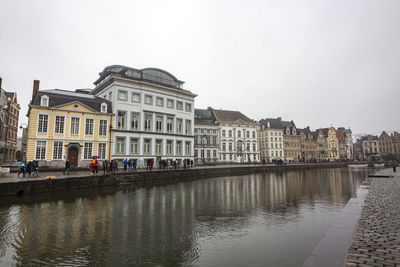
<point>254,220</point>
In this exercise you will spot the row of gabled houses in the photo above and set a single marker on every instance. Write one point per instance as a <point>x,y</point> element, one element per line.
<point>146,114</point>
<point>230,136</point>
<point>386,146</point>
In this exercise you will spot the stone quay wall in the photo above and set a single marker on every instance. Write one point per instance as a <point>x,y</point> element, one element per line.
<point>155,175</point>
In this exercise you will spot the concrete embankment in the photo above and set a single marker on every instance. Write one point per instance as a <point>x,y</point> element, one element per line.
<point>39,185</point>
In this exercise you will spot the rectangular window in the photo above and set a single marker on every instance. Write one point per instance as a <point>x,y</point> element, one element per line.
<point>214,154</point>
<point>179,105</point>
<point>43,122</point>
<point>158,147</point>
<point>188,107</point>
<point>121,120</point>
<point>87,150</point>
<point>134,146</point>
<point>160,101</point>
<point>74,126</point>
<point>254,147</point>
<point>57,150</point>
<point>136,97</point>
<point>102,150</point>
<point>159,120</point>
<point>148,99</point>
<point>59,125</point>
<point>169,147</point>
<point>208,153</point>
<point>188,149</point>
<point>120,145</point>
<point>179,147</point>
<point>170,103</point>
<point>146,146</point>
<point>170,125</point>
<point>89,127</point>
<point>103,128</point>
<point>122,95</point>
<point>188,127</point>
<point>135,118</point>
<point>147,122</point>
<point>109,96</point>
<point>40,150</point>
<point>179,126</point>
<point>230,146</point>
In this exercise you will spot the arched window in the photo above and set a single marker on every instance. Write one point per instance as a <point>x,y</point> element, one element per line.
<point>230,133</point>
<point>254,134</point>
<point>248,134</point>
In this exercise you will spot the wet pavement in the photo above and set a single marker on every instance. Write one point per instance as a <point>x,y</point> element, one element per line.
<point>376,241</point>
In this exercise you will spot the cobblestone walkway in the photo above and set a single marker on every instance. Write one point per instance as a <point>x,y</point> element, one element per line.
<point>376,241</point>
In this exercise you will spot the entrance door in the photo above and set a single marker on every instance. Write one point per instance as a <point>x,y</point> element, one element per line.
<point>73,157</point>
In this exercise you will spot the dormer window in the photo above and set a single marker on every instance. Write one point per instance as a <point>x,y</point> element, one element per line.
<point>44,101</point>
<point>103,108</point>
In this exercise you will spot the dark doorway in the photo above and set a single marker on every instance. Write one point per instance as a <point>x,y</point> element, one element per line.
<point>73,157</point>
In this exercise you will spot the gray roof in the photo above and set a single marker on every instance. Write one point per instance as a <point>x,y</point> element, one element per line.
<point>204,116</point>
<point>231,116</point>
<point>273,123</point>
<point>59,97</point>
<point>153,75</point>
<point>9,94</point>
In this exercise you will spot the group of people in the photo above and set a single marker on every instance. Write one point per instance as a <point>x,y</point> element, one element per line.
<point>31,168</point>
<point>173,164</point>
<point>130,165</point>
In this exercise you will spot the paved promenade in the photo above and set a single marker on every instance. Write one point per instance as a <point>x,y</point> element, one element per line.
<point>376,241</point>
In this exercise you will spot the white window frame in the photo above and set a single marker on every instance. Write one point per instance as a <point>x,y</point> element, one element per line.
<point>87,132</point>
<point>58,151</point>
<point>170,103</point>
<point>87,150</point>
<point>103,108</point>
<point>161,99</point>
<point>121,93</point>
<point>134,147</point>
<point>121,120</point>
<point>102,150</point>
<point>75,126</point>
<point>42,153</point>
<point>188,107</point>
<point>179,105</point>
<point>120,149</point>
<point>103,127</point>
<point>133,97</point>
<point>59,127</point>
<point>135,125</point>
<point>148,97</point>
<point>44,101</point>
<point>147,146</point>
<point>44,126</point>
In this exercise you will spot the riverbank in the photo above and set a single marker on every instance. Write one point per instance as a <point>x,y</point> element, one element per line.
<point>17,186</point>
<point>376,241</point>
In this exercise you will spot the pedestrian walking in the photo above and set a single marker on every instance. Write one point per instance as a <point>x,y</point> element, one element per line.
<point>125,165</point>
<point>22,168</point>
<point>67,169</point>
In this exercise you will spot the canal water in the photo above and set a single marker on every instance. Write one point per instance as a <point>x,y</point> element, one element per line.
<point>270,219</point>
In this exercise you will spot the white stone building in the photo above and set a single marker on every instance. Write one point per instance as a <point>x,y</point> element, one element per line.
<point>154,116</point>
<point>271,140</point>
<point>239,137</point>
<point>206,136</point>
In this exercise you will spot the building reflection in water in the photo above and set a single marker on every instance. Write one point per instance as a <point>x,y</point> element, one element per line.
<point>161,225</point>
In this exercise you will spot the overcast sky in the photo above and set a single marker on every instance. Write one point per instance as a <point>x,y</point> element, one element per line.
<point>315,62</point>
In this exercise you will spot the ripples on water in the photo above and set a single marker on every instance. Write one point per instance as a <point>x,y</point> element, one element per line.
<point>251,220</point>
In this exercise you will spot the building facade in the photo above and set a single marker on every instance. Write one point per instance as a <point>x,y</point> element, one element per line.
<point>206,136</point>
<point>308,145</point>
<point>154,116</point>
<point>67,125</point>
<point>370,146</point>
<point>386,149</point>
<point>239,137</point>
<point>271,140</point>
<point>292,141</point>
<point>333,144</point>
<point>320,136</point>
<point>9,120</point>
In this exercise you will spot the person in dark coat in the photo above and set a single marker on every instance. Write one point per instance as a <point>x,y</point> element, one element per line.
<point>22,168</point>
<point>67,169</point>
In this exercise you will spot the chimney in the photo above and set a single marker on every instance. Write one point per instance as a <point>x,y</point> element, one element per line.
<point>35,88</point>
<point>268,125</point>
<point>280,119</point>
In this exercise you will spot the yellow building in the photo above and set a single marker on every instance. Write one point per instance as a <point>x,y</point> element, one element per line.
<point>68,125</point>
<point>333,144</point>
